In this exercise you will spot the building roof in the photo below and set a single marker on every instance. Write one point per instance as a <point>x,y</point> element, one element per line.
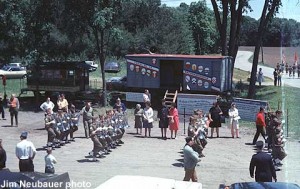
<point>66,64</point>
<point>177,56</point>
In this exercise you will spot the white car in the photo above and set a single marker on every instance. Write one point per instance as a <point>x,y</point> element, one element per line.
<point>93,65</point>
<point>13,72</point>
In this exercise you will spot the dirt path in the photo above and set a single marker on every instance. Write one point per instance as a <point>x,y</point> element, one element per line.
<point>226,161</point>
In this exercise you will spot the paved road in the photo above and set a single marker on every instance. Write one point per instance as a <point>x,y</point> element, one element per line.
<point>243,64</point>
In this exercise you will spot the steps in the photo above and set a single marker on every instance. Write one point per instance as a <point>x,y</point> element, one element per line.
<point>170,98</point>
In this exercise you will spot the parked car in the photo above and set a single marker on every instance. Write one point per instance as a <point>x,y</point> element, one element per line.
<point>117,83</point>
<point>15,64</point>
<point>94,66</point>
<point>13,72</point>
<point>112,67</point>
<point>263,185</point>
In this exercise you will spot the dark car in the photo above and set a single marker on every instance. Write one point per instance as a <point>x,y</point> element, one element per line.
<point>117,83</point>
<point>264,185</point>
<point>112,67</point>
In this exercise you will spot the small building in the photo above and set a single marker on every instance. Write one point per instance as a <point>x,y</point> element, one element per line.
<point>68,77</point>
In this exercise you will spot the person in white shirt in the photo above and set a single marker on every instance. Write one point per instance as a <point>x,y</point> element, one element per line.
<point>148,119</point>
<point>48,104</point>
<point>234,120</point>
<point>25,152</point>
<point>49,161</point>
<point>146,96</point>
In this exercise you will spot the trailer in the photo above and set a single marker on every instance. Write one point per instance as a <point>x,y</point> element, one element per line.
<point>185,73</point>
<point>67,77</point>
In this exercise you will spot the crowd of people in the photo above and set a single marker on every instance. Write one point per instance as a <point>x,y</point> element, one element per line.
<point>267,160</point>
<point>167,117</point>
<point>290,70</point>
<point>60,125</point>
<point>106,132</point>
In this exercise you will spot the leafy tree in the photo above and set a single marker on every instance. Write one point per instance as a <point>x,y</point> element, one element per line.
<point>202,21</point>
<point>12,28</point>
<point>248,30</point>
<point>225,11</point>
<point>270,9</point>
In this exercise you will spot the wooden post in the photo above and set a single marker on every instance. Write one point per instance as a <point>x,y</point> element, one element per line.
<point>287,122</point>
<point>184,120</point>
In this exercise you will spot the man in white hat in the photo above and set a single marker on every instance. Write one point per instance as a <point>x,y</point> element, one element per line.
<point>263,165</point>
<point>25,152</point>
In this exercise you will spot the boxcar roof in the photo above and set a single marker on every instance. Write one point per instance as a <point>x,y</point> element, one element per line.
<point>67,64</point>
<point>177,56</point>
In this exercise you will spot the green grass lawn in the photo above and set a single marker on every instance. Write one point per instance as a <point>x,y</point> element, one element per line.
<point>274,95</point>
<point>13,86</point>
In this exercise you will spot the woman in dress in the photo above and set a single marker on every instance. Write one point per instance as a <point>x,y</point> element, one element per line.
<point>214,115</point>
<point>173,120</point>
<point>163,119</point>
<point>148,118</point>
<point>260,76</point>
<point>138,119</point>
<point>234,120</point>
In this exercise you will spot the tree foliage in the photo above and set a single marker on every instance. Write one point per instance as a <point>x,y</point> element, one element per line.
<point>95,29</point>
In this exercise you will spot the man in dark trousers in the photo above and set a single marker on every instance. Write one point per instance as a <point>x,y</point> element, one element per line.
<point>190,160</point>
<point>25,152</point>
<point>260,125</point>
<point>263,165</point>
<point>275,74</point>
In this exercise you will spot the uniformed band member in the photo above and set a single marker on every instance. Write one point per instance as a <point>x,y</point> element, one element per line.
<point>194,132</point>
<point>277,139</point>
<point>87,118</point>
<point>50,126</point>
<point>73,121</point>
<point>97,146</point>
<point>63,126</point>
<point>25,152</point>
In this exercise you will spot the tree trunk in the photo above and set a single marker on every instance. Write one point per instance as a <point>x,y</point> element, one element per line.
<point>251,91</point>
<point>101,55</point>
<point>102,62</point>
<point>222,25</point>
<point>271,7</point>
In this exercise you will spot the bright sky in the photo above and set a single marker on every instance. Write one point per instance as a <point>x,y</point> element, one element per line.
<point>290,8</point>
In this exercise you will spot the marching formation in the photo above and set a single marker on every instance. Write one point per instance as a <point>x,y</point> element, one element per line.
<point>105,131</point>
<point>198,128</point>
<point>61,126</point>
<point>275,139</point>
